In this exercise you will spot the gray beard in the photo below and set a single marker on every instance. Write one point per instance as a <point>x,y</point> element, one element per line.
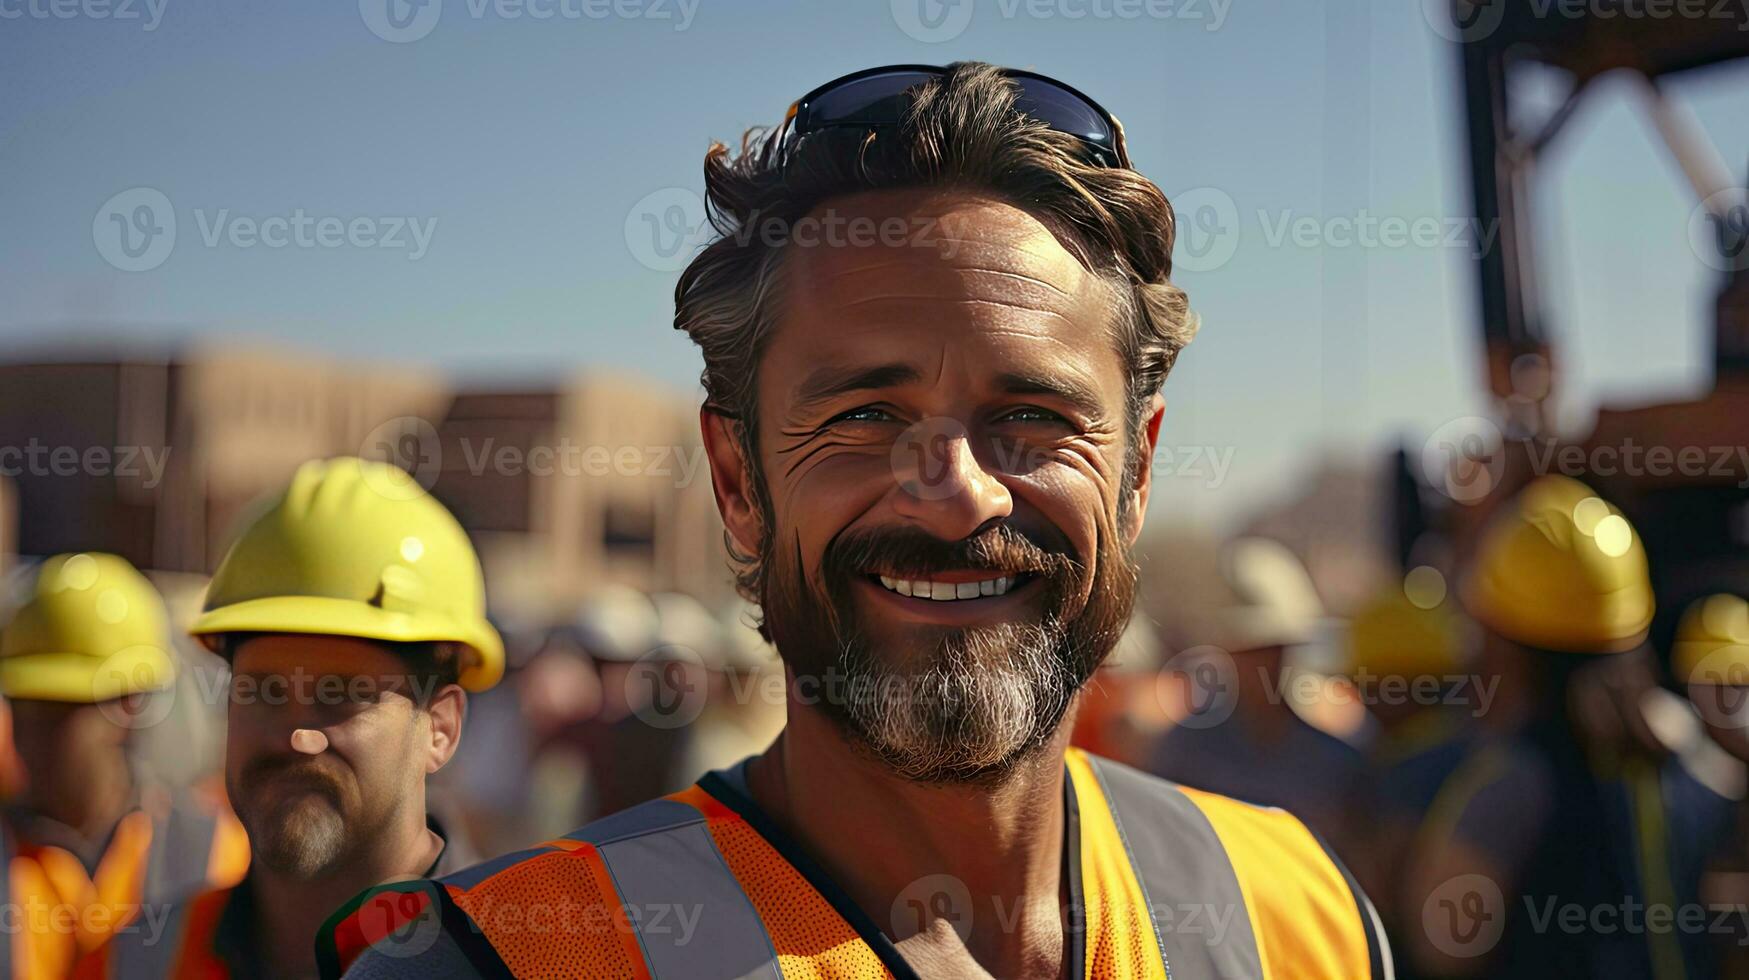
<point>986,699</point>
<point>305,842</point>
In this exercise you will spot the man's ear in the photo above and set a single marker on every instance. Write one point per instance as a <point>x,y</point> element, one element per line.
<point>1143,483</point>
<point>447,711</point>
<point>731,479</point>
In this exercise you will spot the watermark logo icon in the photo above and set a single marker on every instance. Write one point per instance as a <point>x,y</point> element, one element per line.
<point>409,443</point>
<point>401,920</point>
<point>135,230</point>
<point>1464,20</point>
<point>1208,229</point>
<point>1719,688</point>
<point>400,21</point>
<point>665,228</point>
<point>932,21</point>
<point>666,686</point>
<point>930,898</point>
<point>1718,230</point>
<point>922,458</point>
<point>1465,916</point>
<point>1464,458</point>
<point>1199,686</point>
<point>132,669</point>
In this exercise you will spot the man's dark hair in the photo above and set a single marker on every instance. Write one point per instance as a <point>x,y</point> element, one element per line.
<point>961,132</point>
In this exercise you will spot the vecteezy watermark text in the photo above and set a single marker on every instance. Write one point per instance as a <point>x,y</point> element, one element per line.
<point>38,459</point>
<point>567,458</point>
<point>936,21</point>
<point>136,230</point>
<point>405,21</point>
<point>149,12</point>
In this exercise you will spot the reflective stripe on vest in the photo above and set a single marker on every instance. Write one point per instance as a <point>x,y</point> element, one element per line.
<point>1244,891</point>
<point>664,863</point>
<point>641,894</point>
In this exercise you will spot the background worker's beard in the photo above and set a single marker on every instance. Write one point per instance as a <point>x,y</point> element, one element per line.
<point>305,836</point>
<point>960,705</point>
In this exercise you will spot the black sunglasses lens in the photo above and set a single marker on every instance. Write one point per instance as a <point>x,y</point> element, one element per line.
<point>1063,110</point>
<point>876,100</point>
<point>881,100</point>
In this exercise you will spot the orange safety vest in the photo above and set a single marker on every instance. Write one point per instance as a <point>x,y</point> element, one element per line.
<point>209,936</point>
<point>1165,882</point>
<point>62,911</point>
<point>182,948</point>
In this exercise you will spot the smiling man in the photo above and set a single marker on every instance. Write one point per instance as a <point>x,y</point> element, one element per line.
<point>934,331</point>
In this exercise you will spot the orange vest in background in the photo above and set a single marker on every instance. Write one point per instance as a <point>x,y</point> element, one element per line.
<point>62,911</point>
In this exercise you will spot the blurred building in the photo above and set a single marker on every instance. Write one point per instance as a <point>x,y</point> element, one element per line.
<point>157,460</point>
<point>8,523</point>
<point>565,489</point>
<point>1333,523</point>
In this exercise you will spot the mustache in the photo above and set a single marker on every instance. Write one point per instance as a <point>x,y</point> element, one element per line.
<point>910,552</point>
<point>308,773</point>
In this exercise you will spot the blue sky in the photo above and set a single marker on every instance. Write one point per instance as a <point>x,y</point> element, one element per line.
<point>532,152</point>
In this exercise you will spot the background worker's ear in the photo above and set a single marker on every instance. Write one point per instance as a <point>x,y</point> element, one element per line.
<point>731,478</point>
<point>447,711</point>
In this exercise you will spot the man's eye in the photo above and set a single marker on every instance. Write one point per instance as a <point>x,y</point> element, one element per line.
<point>867,413</point>
<point>1030,413</point>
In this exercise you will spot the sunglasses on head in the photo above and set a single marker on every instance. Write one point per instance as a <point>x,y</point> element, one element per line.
<point>878,98</point>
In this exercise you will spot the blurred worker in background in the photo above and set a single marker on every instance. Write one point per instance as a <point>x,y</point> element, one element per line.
<point>1122,714</point>
<point>743,711</point>
<point>352,613</point>
<point>1710,656</point>
<point>1252,732</point>
<point>1403,655</point>
<point>93,848</point>
<point>643,672</point>
<point>1582,806</point>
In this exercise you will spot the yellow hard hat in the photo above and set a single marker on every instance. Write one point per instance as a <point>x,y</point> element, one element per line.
<point>1712,642</point>
<point>1408,631</point>
<point>1561,569</point>
<point>356,548</point>
<point>93,629</point>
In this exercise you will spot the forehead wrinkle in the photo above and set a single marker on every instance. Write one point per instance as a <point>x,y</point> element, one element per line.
<point>1035,249</point>
<point>968,271</point>
<point>971,301</point>
<point>961,284</point>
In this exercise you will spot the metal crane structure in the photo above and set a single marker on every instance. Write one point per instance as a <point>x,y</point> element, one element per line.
<point>1695,525</point>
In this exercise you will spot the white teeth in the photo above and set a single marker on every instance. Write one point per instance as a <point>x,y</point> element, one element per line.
<point>948,591</point>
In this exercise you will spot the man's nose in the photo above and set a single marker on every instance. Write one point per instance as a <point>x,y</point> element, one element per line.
<point>943,486</point>
<point>309,741</point>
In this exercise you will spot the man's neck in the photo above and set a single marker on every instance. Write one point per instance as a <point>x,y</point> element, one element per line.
<point>290,910</point>
<point>909,854</point>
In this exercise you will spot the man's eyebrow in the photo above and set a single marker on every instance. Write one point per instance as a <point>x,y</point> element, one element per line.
<point>826,383</point>
<point>1074,390</point>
